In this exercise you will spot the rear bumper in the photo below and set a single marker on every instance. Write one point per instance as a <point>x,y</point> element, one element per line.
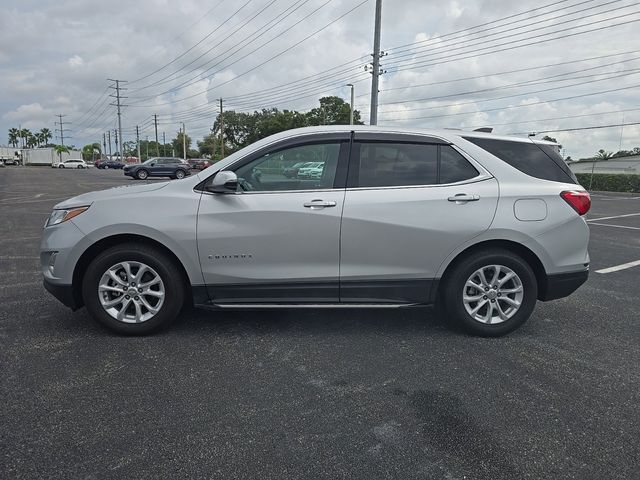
<point>562,285</point>
<point>64,293</point>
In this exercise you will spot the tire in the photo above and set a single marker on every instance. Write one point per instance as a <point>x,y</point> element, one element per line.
<point>80,167</point>
<point>495,313</point>
<point>142,174</point>
<point>106,167</point>
<point>159,266</point>
<point>180,174</point>
<point>60,166</point>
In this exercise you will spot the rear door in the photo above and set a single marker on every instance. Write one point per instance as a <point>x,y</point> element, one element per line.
<point>410,201</point>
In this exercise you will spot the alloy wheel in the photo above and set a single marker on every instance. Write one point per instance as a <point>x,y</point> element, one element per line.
<point>131,292</point>
<point>493,294</point>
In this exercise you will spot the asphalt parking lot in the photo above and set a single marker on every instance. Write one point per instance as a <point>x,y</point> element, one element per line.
<point>316,394</point>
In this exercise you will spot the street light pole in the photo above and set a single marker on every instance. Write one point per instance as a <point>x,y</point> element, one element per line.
<point>351,115</point>
<point>375,72</point>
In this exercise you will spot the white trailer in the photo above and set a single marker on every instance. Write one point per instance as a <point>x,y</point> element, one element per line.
<point>47,156</point>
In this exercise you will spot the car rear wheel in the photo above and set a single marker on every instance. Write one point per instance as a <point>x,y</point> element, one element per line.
<point>106,167</point>
<point>180,174</point>
<point>133,289</point>
<point>490,293</point>
<point>142,174</point>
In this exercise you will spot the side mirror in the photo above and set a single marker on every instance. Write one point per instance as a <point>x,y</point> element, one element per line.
<point>152,164</point>
<point>224,182</point>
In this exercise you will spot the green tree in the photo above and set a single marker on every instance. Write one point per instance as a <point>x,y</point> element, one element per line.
<point>177,144</point>
<point>332,111</point>
<point>549,139</point>
<point>24,134</point>
<point>14,137</point>
<point>89,151</point>
<point>603,155</point>
<point>45,135</point>
<point>60,149</point>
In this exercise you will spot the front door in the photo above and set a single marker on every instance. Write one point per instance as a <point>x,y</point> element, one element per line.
<point>401,219</point>
<point>277,240</point>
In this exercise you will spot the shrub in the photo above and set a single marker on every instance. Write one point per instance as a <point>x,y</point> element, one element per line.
<point>610,182</point>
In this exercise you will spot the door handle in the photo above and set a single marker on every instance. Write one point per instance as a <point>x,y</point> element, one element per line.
<point>319,204</point>
<point>464,198</point>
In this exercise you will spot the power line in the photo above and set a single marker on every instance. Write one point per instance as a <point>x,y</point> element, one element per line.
<point>515,106</point>
<point>595,127</point>
<point>189,82</point>
<point>264,62</point>
<point>164,80</point>
<point>475,54</point>
<point>195,45</point>
<point>444,45</point>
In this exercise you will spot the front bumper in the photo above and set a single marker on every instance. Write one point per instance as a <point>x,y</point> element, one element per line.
<point>562,285</point>
<point>64,293</point>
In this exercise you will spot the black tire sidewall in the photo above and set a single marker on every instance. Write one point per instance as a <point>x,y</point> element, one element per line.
<point>463,270</point>
<point>178,173</point>
<point>156,259</point>
<point>146,175</point>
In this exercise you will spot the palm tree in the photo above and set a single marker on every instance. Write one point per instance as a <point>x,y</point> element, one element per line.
<point>24,134</point>
<point>14,137</point>
<point>60,149</point>
<point>46,135</point>
<point>32,140</point>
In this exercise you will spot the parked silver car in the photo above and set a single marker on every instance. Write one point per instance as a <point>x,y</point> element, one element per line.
<point>484,225</point>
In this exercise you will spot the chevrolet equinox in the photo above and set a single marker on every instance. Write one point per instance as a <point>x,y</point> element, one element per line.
<point>479,224</point>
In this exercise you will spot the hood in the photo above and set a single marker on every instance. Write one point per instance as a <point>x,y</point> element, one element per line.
<point>90,197</point>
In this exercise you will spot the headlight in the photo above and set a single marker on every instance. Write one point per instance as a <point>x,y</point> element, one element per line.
<point>59,216</point>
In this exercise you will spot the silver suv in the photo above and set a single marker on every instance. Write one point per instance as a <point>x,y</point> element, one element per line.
<point>479,224</point>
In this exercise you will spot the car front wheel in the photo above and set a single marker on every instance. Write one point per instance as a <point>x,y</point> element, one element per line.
<point>60,166</point>
<point>133,289</point>
<point>490,293</point>
<point>180,174</point>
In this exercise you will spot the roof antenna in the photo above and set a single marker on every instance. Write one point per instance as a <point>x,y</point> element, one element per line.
<point>484,129</point>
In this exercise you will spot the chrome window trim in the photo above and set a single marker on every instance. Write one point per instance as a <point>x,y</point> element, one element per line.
<point>479,178</point>
<point>204,192</point>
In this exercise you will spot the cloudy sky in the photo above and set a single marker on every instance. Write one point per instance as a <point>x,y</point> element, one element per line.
<point>517,66</point>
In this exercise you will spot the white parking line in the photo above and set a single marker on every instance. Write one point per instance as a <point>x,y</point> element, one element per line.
<point>617,268</point>
<point>615,216</point>
<point>617,226</point>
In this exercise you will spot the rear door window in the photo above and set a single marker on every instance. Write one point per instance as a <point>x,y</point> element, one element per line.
<point>539,161</point>
<point>381,164</point>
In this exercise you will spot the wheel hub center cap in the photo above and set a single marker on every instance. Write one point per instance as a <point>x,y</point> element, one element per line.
<point>132,292</point>
<point>492,294</point>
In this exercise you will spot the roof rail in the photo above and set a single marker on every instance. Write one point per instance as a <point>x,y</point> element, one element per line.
<point>483,129</point>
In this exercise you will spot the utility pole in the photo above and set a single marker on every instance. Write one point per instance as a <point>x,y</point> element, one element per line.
<point>184,143</point>
<point>147,147</point>
<point>164,146</point>
<point>155,122</point>
<point>351,114</point>
<point>109,138</point>
<point>104,143</point>
<point>115,134</point>
<point>221,130</point>
<point>118,97</point>
<point>138,142</point>
<point>375,70</point>
<point>61,129</point>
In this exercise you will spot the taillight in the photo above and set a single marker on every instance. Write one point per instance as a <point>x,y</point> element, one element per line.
<point>579,200</point>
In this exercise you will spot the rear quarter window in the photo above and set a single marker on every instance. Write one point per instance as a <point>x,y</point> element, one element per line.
<point>539,161</point>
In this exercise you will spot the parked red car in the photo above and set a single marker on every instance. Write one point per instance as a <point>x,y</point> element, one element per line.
<point>199,163</point>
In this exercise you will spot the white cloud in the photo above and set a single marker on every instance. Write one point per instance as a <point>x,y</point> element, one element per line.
<point>69,48</point>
